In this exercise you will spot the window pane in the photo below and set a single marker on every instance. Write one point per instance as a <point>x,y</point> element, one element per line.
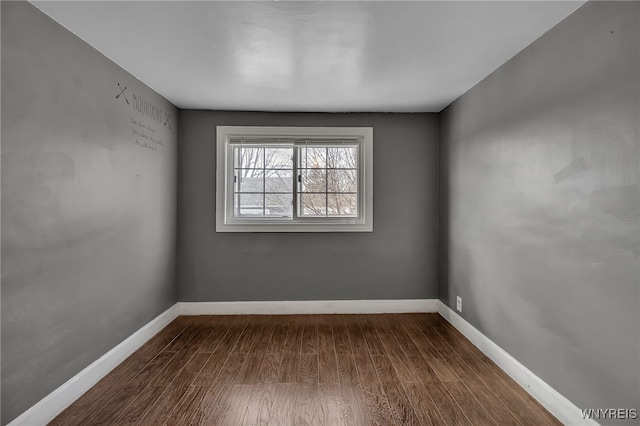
<point>342,181</point>
<point>249,158</point>
<point>248,205</point>
<point>313,205</point>
<point>342,205</point>
<point>249,180</point>
<point>279,181</point>
<point>314,180</point>
<point>313,157</point>
<point>279,205</point>
<point>342,157</point>
<point>279,158</point>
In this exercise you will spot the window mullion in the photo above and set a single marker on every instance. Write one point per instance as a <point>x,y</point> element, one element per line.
<point>230,211</point>
<point>295,189</point>
<point>264,181</point>
<point>326,182</point>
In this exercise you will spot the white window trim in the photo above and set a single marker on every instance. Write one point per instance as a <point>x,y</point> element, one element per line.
<point>364,224</point>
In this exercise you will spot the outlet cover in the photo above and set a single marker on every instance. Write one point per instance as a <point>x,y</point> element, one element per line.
<point>459,303</point>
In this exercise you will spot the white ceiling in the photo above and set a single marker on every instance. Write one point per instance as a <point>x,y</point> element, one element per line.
<point>310,56</point>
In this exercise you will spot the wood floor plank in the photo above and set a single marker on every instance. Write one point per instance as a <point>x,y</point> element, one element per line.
<point>398,401</point>
<point>278,339</point>
<point>371,337</point>
<point>359,347</point>
<point>158,342</point>
<point>209,372</point>
<point>341,339</point>
<point>214,338</point>
<point>474,380</point>
<point>352,406</point>
<point>439,363</point>
<point>327,362</point>
<point>186,408</point>
<point>211,408</point>
<point>191,370</point>
<point>260,405</point>
<point>308,370</point>
<point>266,331</point>
<point>282,412</point>
<point>172,368</point>
<point>191,338</point>
<point>409,346</point>
<point>425,371</point>
<point>305,407</point>
<point>231,369</point>
<point>457,341</point>
<point>328,409</point>
<point>248,339</point>
<point>289,367</point>
<point>473,410</point>
<point>528,409</point>
<point>228,342</point>
<point>93,400</point>
<point>497,410</point>
<point>379,410</point>
<point>162,408</point>
<point>470,354</point>
<point>140,405</point>
<point>109,386</point>
<point>251,368</point>
<point>448,408</point>
<point>424,407</point>
<point>235,406</point>
<point>404,369</point>
<point>501,392</point>
<point>270,368</point>
<point>310,339</point>
<point>112,410</point>
<point>294,339</point>
<point>396,354</point>
<point>347,372</point>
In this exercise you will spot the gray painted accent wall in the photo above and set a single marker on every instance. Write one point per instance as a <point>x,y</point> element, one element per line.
<point>89,219</point>
<point>396,261</point>
<point>540,206</point>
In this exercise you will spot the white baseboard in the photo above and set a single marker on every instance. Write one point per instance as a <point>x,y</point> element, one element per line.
<point>551,399</point>
<point>310,307</point>
<point>51,405</point>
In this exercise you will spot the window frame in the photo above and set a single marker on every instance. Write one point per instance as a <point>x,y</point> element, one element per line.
<point>226,222</point>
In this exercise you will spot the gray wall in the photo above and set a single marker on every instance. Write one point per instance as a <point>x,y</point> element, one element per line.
<point>396,261</point>
<point>540,206</point>
<point>88,217</point>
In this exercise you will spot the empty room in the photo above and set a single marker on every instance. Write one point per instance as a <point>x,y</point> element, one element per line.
<point>320,213</point>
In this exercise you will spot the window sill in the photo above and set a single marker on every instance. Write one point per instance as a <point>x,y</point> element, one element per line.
<point>290,227</point>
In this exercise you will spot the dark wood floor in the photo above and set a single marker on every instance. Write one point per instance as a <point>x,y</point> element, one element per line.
<point>400,369</point>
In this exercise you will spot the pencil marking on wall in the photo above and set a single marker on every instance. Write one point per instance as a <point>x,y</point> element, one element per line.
<point>122,93</point>
<point>144,132</point>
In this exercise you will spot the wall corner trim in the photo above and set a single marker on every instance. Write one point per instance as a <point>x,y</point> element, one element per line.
<point>309,307</point>
<point>51,405</point>
<point>563,409</point>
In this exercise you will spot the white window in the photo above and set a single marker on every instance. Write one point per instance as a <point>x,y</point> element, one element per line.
<point>294,179</point>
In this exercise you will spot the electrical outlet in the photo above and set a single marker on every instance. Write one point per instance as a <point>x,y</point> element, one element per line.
<point>459,303</point>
